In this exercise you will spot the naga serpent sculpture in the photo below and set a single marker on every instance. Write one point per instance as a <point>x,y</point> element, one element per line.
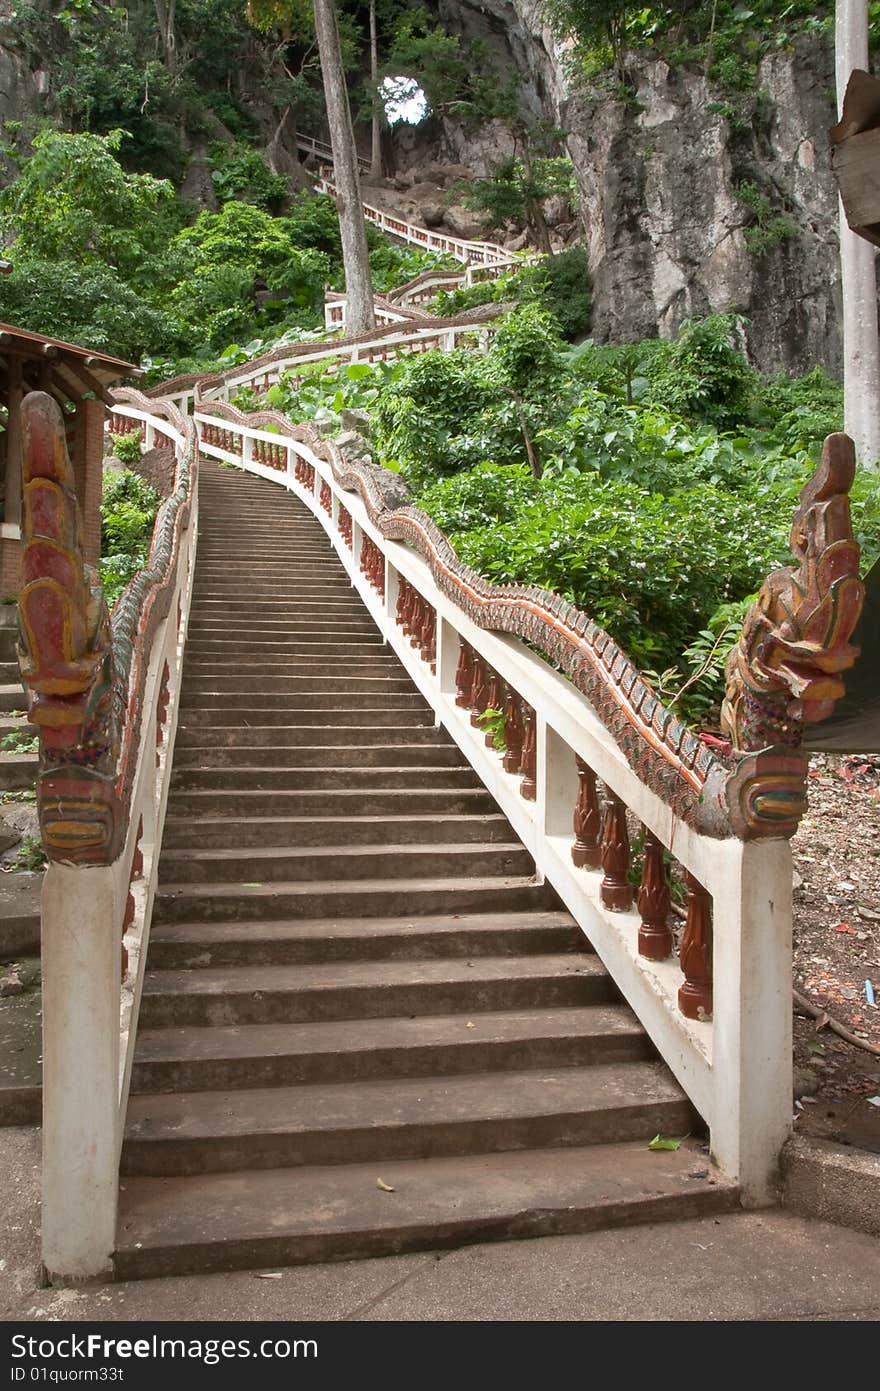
<point>84,670</point>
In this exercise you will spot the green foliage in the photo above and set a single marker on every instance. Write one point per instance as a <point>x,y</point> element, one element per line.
<point>493,722</point>
<point>444,412</point>
<point>128,511</point>
<point>801,411</point>
<point>701,375</point>
<point>319,392</point>
<point>225,260</point>
<point>559,284</point>
<point>769,229</point>
<point>241,174</point>
<point>73,201</point>
<point>458,79</point>
<point>88,304</point>
<point>30,855</point>
<point>21,741</point>
<point>516,190</point>
<point>127,448</point>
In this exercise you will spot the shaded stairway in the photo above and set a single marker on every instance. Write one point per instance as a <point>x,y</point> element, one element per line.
<point>353,980</point>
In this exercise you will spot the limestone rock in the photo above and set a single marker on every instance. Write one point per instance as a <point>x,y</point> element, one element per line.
<point>463,222</point>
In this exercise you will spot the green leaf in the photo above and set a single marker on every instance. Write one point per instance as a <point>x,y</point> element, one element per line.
<point>658,1143</point>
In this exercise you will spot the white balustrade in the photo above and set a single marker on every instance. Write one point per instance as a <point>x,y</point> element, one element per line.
<point>90,1005</point>
<point>736,1068</point>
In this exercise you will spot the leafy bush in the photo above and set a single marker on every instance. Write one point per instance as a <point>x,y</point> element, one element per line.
<point>128,511</point>
<point>559,284</point>
<point>701,375</point>
<point>801,411</point>
<point>91,305</point>
<point>127,448</point>
<point>241,174</point>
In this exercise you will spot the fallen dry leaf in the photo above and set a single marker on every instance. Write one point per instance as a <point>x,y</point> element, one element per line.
<point>385,1187</point>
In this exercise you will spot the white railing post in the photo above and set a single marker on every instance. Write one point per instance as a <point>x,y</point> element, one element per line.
<point>247,450</point>
<point>448,648</point>
<point>82,961</point>
<point>752,1033</point>
<point>557,782</point>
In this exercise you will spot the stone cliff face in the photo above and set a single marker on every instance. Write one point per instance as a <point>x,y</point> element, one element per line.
<point>661,177</point>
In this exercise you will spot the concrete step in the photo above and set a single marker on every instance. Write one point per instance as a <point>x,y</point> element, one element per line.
<point>342,863</point>
<point>207,666</point>
<point>236,995</point>
<point>249,778</point>
<point>271,1055</point>
<point>405,1118</point>
<point>239,832</point>
<point>253,736</point>
<point>9,672</point>
<point>255,685</point>
<point>317,802</point>
<point>12,696</point>
<point>414,717</point>
<point>17,771</point>
<point>224,902</point>
<point>319,941</point>
<point>230,702</point>
<point>316,756</point>
<point>304,1215</point>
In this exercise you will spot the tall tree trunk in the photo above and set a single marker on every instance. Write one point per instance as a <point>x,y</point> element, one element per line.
<point>861,347</point>
<point>165,20</point>
<point>376,130</point>
<point>355,256</point>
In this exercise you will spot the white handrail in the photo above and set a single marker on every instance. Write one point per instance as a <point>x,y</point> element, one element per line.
<point>482,252</point>
<point>736,1068</point>
<point>89,1019</point>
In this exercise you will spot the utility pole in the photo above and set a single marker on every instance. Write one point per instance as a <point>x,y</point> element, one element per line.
<point>861,343</point>
<point>360,317</point>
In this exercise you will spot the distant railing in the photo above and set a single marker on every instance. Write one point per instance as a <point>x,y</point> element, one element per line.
<point>591,769</point>
<point>480,252</point>
<point>380,346</point>
<point>324,152</point>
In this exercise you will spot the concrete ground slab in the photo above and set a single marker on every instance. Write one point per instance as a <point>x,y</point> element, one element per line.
<point>742,1266</point>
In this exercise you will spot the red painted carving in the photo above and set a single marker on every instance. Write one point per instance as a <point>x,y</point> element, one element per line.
<point>529,759</point>
<point>514,732</point>
<point>655,935</point>
<point>479,690</point>
<point>493,702</point>
<point>785,672</point>
<point>463,676</point>
<point>65,655</point>
<point>616,890</point>
<point>586,851</point>
<point>695,953</point>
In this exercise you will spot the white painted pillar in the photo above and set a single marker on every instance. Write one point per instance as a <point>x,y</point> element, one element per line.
<point>861,342</point>
<point>752,1033</point>
<point>81,992</point>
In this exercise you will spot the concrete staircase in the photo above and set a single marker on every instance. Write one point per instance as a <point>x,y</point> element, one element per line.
<point>354,984</point>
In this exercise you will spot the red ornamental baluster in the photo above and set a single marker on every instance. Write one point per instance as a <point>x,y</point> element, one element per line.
<point>415,619</point>
<point>514,733</point>
<point>493,702</point>
<point>479,689</point>
<point>406,607</point>
<point>615,889</point>
<point>431,644</point>
<point>463,676</point>
<point>695,953</point>
<point>529,759</point>
<point>587,849</point>
<point>425,630</point>
<point>401,603</point>
<point>655,935</point>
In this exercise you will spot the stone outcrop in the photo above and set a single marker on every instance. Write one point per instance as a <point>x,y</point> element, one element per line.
<point>661,178</point>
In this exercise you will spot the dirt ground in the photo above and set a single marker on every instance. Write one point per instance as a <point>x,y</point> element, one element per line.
<point>837,949</point>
